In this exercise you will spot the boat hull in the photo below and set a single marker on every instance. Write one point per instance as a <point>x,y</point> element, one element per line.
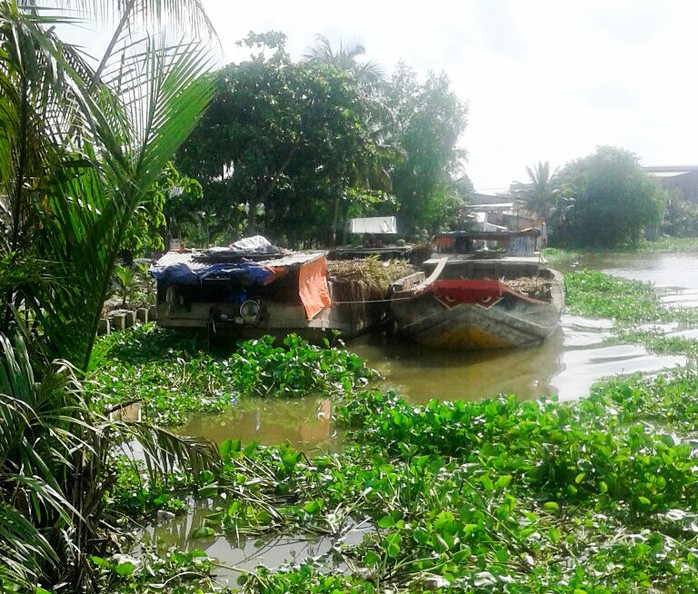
<point>476,315</point>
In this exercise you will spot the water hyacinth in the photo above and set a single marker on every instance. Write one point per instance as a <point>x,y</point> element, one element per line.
<point>506,496</point>
<point>171,377</point>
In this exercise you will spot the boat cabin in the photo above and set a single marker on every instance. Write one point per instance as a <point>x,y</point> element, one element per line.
<point>251,288</point>
<point>488,254</point>
<point>488,243</point>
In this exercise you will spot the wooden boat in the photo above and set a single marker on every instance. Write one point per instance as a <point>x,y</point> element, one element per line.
<point>486,290</point>
<point>251,288</point>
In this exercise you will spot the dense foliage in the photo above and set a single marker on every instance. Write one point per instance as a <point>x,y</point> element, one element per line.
<point>81,146</point>
<point>680,216</point>
<point>169,205</point>
<point>276,135</point>
<point>605,199</point>
<point>593,496</point>
<point>295,148</point>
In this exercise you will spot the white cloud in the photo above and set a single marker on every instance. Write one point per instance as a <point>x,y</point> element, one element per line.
<point>545,80</point>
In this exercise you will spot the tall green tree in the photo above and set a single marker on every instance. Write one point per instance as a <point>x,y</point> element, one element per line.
<point>368,181</point>
<point>680,216</point>
<point>605,199</point>
<point>278,137</point>
<point>428,120</point>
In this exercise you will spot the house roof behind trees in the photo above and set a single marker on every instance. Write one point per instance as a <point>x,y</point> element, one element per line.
<point>683,178</point>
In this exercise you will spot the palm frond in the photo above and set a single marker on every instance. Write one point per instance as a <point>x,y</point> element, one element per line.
<point>24,551</point>
<point>77,156</point>
<point>345,58</point>
<point>164,451</point>
<point>183,14</point>
<point>91,209</point>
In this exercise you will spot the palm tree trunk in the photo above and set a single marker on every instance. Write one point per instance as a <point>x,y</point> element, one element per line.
<point>17,201</point>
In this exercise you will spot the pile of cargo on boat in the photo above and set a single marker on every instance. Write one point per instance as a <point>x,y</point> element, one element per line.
<point>535,287</point>
<point>362,286</point>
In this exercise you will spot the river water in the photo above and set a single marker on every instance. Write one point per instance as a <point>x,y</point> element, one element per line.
<point>582,352</point>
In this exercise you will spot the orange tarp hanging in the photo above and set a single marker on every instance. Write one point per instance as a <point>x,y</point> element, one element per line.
<point>312,287</point>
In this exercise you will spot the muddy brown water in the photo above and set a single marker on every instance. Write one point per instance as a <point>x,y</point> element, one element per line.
<point>581,353</point>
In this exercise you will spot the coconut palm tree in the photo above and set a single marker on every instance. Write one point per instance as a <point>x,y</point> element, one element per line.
<point>78,156</point>
<point>79,149</point>
<point>346,58</point>
<point>538,195</point>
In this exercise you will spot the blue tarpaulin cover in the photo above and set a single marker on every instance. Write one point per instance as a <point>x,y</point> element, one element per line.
<point>193,273</point>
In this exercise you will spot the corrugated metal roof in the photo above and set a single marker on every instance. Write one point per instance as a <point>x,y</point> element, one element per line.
<point>492,206</point>
<point>175,258</point>
<point>667,174</point>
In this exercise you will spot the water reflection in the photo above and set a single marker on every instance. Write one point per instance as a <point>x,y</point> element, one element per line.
<point>678,271</point>
<point>420,374</point>
<point>567,365</point>
<point>305,423</point>
<point>237,554</point>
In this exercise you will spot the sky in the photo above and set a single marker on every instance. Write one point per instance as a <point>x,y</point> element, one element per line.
<point>544,80</point>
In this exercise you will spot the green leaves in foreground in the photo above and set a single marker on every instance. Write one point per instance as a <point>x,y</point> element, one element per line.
<point>172,571</point>
<point>293,367</point>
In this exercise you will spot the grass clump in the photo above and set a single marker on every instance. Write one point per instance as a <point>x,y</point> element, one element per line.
<point>670,244</point>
